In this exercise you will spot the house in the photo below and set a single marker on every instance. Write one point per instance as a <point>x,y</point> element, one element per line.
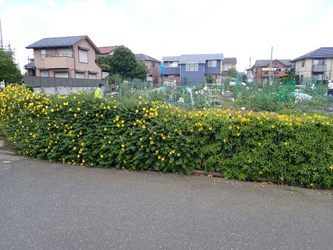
<point>190,69</point>
<point>106,51</point>
<point>153,65</point>
<point>65,57</point>
<point>228,63</point>
<point>279,67</point>
<point>317,64</point>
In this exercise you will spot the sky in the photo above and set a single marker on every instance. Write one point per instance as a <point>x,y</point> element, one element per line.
<point>247,30</point>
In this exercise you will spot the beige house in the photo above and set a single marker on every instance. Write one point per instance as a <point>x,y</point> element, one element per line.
<point>228,63</point>
<point>317,64</point>
<point>153,65</point>
<point>65,57</point>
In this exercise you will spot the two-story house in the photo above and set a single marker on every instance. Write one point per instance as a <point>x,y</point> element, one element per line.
<point>228,63</point>
<point>317,64</point>
<point>190,69</point>
<point>153,65</point>
<point>66,57</point>
<point>106,51</point>
<point>263,69</point>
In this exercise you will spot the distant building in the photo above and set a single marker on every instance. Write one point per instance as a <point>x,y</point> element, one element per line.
<point>65,57</point>
<point>153,65</point>
<point>228,63</point>
<point>190,69</point>
<point>106,51</point>
<point>317,64</point>
<point>261,69</point>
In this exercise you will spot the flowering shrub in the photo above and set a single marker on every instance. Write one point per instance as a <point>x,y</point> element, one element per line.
<point>137,134</point>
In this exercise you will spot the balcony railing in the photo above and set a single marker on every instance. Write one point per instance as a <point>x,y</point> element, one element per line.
<point>319,68</point>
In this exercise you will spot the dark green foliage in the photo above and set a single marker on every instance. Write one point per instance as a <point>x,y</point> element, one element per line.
<point>8,69</point>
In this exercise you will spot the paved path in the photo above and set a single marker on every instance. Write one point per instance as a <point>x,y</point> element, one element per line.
<point>55,206</point>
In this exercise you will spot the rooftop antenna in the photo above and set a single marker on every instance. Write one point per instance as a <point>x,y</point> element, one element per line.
<point>1,44</point>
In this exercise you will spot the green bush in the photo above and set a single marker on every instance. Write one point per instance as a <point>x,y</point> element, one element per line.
<point>137,134</point>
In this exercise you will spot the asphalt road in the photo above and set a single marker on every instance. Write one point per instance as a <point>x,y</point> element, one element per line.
<point>56,206</point>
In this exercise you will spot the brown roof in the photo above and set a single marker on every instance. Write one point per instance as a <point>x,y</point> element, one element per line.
<point>107,50</point>
<point>231,60</point>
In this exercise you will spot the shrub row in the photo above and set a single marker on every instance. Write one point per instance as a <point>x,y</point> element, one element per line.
<point>138,134</point>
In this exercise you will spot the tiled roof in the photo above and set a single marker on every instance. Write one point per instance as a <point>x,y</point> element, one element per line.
<point>143,57</point>
<point>30,65</point>
<point>170,58</point>
<point>323,52</point>
<point>194,58</point>
<point>56,42</point>
<point>107,50</point>
<point>199,58</point>
<point>263,63</point>
<point>231,60</point>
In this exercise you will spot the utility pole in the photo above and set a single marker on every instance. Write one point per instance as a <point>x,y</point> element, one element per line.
<point>1,44</point>
<point>270,67</point>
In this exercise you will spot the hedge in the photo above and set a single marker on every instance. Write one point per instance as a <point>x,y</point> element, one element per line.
<point>138,135</point>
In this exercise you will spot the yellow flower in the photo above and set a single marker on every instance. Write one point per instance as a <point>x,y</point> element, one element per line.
<point>286,143</point>
<point>178,154</point>
<point>105,129</point>
<point>101,156</point>
<point>140,139</point>
<point>162,159</point>
<point>82,144</point>
<point>78,109</point>
<point>272,126</point>
<point>210,128</point>
<point>331,167</point>
<point>78,156</point>
<point>281,178</point>
<point>159,157</point>
<point>311,184</point>
<point>122,145</point>
<point>260,172</point>
<point>250,161</point>
<point>140,97</point>
<point>259,143</point>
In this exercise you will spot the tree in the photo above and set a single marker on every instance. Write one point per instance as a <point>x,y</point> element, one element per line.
<point>123,62</point>
<point>105,62</point>
<point>8,69</point>
<point>209,79</point>
<point>232,72</point>
<point>140,71</point>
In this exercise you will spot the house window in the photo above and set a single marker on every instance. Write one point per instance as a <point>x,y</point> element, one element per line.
<point>212,63</point>
<point>319,62</point>
<point>61,74</point>
<point>83,56</point>
<point>92,76</point>
<point>192,67</point>
<point>302,78</point>
<point>173,64</point>
<point>43,53</point>
<point>65,52</point>
<point>265,72</point>
<point>44,73</point>
<point>79,75</point>
<point>303,63</point>
<point>153,64</point>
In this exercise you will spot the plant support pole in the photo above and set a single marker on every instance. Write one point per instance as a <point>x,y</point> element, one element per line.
<point>270,67</point>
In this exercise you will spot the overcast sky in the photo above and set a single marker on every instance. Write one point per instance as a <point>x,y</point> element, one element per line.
<point>236,28</point>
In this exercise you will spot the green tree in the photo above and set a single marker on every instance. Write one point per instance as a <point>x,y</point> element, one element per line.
<point>8,69</point>
<point>232,72</point>
<point>105,62</point>
<point>123,62</point>
<point>209,79</point>
<point>140,71</point>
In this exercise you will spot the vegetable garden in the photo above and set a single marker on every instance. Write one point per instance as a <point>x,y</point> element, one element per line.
<point>204,128</point>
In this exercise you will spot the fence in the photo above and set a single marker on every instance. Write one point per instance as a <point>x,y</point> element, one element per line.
<point>61,85</point>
